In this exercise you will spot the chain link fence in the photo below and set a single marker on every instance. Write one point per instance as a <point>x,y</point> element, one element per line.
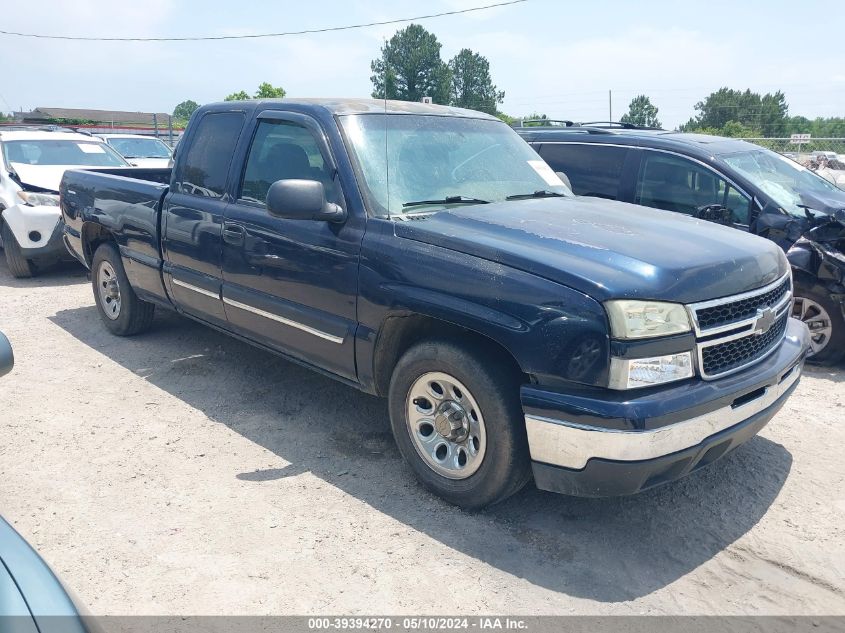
<point>806,149</point>
<point>824,156</point>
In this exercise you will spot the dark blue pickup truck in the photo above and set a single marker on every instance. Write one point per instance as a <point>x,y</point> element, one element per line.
<point>427,254</point>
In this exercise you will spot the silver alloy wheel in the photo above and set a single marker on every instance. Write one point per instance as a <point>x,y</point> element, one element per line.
<point>446,426</point>
<point>817,320</point>
<point>109,290</point>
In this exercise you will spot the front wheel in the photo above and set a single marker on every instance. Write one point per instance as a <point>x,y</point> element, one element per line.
<point>457,419</point>
<point>122,312</point>
<point>19,266</point>
<point>824,318</point>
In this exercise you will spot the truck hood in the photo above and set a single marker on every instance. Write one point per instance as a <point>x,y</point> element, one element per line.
<point>42,176</point>
<point>607,249</point>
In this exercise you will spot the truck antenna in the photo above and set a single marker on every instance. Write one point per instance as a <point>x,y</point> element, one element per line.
<point>386,127</point>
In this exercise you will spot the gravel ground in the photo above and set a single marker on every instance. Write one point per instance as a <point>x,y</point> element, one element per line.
<point>183,472</point>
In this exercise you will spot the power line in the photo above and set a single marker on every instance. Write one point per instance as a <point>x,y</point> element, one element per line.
<point>259,35</point>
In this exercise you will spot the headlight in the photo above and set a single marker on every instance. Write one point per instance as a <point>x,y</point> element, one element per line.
<point>630,373</point>
<point>32,199</point>
<point>643,319</point>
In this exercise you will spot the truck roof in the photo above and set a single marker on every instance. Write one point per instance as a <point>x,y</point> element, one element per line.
<point>342,106</point>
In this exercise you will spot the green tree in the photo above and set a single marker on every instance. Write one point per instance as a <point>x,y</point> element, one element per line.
<point>732,129</point>
<point>268,91</point>
<point>237,96</point>
<point>265,91</point>
<point>641,112</point>
<point>184,110</point>
<point>471,84</point>
<point>409,67</point>
<point>767,113</point>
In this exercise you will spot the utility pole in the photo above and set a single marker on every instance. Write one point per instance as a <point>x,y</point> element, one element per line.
<point>610,105</point>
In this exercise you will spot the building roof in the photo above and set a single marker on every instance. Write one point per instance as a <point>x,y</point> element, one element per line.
<point>101,116</point>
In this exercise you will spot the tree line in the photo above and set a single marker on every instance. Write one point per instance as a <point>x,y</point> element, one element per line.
<point>410,67</point>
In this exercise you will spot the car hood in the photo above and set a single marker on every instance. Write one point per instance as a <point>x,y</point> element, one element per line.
<point>830,202</point>
<point>42,176</point>
<point>607,249</point>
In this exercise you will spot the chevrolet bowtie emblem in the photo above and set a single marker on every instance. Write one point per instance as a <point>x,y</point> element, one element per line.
<point>765,320</point>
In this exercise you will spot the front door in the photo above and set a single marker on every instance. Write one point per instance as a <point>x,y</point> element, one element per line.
<point>291,284</point>
<point>675,183</point>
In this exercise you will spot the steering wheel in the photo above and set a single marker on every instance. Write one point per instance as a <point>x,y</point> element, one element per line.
<point>717,213</point>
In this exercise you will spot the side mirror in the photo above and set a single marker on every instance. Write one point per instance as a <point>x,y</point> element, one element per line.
<point>7,358</point>
<point>302,200</point>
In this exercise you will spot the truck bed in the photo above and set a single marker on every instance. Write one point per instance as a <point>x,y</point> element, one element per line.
<point>127,203</point>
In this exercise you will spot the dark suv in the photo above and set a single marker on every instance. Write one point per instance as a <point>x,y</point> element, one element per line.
<point>723,180</point>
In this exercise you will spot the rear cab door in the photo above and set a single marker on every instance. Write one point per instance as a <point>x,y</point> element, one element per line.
<point>291,284</point>
<point>193,211</point>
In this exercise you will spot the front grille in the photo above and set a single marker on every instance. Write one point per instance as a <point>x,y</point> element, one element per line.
<point>729,330</point>
<point>734,311</point>
<point>724,357</point>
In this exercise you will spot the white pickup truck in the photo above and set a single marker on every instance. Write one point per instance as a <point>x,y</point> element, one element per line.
<point>33,162</point>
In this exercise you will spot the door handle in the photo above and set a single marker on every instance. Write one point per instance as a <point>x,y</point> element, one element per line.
<point>233,234</point>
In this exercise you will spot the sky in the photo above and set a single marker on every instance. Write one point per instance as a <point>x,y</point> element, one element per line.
<point>557,57</point>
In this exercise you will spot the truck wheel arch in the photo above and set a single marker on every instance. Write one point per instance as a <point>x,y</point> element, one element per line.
<point>94,234</point>
<point>401,331</point>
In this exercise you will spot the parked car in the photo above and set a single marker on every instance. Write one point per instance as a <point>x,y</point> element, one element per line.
<point>427,254</point>
<point>7,358</point>
<point>140,150</point>
<point>33,161</point>
<point>728,181</point>
<point>32,598</point>
<point>826,155</point>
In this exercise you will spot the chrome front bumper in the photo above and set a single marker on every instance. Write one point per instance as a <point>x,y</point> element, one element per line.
<point>605,443</point>
<point>569,445</point>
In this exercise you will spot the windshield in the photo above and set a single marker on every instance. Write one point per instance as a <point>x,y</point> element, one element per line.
<point>61,152</point>
<point>781,179</point>
<point>140,147</point>
<point>414,164</point>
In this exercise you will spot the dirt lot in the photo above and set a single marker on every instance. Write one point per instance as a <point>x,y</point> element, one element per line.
<point>183,472</point>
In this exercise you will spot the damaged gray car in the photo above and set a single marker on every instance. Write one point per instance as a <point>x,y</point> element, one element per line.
<point>723,180</point>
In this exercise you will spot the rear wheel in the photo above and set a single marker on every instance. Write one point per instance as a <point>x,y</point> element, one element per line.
<point>825,321</point>
<point>122,312</point>
<point>19,266</point>
<point>457,420</point>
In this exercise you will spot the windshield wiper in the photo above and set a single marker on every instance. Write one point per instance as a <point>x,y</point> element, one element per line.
<point>446,200</point>
<point>542,193</point>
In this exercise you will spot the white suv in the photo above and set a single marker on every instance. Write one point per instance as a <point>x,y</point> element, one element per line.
<point>32,162</point>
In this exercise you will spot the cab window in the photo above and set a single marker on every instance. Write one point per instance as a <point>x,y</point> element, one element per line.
<point>283,150</point>
<point>206,165</point>
<point>674,183</point>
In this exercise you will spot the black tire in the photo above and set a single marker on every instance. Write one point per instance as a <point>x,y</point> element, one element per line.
<point>834,350</point>
<point>134,315</point>
<point>19,266</point>
<point>494,384</point>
